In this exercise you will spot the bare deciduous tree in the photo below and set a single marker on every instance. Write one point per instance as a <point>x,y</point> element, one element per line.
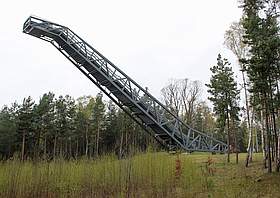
<point>234,42</point>
<point>182,96</point>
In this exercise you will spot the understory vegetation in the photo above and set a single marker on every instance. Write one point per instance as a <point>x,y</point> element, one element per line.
<point>143,175</point>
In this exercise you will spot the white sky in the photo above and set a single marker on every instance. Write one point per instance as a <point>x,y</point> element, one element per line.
<point>150,40</point>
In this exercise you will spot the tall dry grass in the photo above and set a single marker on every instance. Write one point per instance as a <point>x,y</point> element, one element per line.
<point>144,175</point>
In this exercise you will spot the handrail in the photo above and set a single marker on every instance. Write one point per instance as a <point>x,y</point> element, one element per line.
<point>136,92</point>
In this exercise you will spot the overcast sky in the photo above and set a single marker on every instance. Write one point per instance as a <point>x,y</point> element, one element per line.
<point>150,40</point>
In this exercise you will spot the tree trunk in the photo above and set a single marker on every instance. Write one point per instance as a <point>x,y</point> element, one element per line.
<point>228,138</point>
<point>54,146</point>
<point>121,145</point>
<point>278,157</point>
<point>275,146</point>
<point>77,148</point>
<point>234,132</point>
<point>61,148</point>
<point>271,138</point>
<point>268,134</point>
<point>66,152</point>
<point>70,148</point>
<point>236,147</point>
<point>272,149</point>
<point>97,141</point>
<point>87,140</point>
<point>37,145</point>
<point>127,151</point>
<point>45,146</point>
<point>249,148</point>
<point>257,142</point>
<point>263,140</point>
<point>23,146</point>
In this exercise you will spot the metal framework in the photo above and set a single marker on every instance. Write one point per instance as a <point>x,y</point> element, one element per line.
<point>140,105</point>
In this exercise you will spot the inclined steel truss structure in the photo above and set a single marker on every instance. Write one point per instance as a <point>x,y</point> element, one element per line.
<point>137,102</point>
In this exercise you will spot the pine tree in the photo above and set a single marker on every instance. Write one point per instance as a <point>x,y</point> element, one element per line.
<point>98,118</point>
<point>7,133</point>
<point>43,122</point>
<point>225,97</point>
<point>25,115</point>
<point>111,128</point>
<point>84,121</point>
<point>262,35</point>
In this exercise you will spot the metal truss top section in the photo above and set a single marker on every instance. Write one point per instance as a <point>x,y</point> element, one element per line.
<point>143,107</point>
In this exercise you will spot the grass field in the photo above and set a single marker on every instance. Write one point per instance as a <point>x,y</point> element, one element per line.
<point>144,175</point>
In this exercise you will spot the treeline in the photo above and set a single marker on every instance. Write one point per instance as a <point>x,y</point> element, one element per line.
<point>255,40</point>
<point>89,126</point>
<point>68,128</point>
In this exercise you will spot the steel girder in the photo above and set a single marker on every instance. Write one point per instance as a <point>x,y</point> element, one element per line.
<point>137,102</point>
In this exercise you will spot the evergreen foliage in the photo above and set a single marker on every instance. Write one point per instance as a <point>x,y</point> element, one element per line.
<point>224,95</point>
